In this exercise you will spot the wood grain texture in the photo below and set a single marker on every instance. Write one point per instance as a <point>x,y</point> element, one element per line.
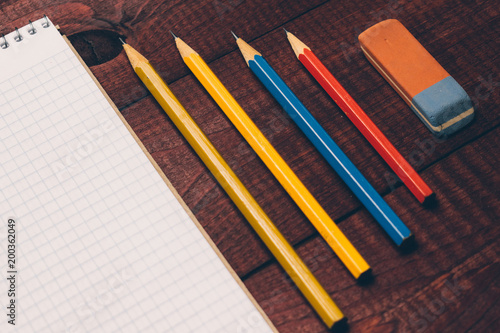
<point>146,25</point>
<point>448,284</point>
<point>457,238</point>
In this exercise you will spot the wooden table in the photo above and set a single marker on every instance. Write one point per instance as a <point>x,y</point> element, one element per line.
<point>450,282</point>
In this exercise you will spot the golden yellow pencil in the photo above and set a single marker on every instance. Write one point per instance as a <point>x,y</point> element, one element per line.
<point>287,178</point>
<point>265,228</point>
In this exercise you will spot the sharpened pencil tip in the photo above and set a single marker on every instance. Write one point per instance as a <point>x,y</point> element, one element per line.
<point>173,35</point>
<point>121,40</point>
<point>234,35</point>
<point>286,31</point>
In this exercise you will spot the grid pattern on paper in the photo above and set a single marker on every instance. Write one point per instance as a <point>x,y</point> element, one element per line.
<point>103,244</point>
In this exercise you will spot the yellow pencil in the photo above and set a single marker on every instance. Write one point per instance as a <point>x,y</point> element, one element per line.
<point>267,231</point>
<point>287,178</point>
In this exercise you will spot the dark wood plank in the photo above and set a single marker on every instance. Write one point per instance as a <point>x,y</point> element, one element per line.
<point>448,284</point>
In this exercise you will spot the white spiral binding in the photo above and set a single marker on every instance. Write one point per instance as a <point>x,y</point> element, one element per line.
<point>4,43</point>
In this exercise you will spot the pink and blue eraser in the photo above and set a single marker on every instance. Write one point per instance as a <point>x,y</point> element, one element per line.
<point>430,91</point>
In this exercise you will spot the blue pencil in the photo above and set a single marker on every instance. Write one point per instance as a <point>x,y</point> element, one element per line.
<point>370,198</point>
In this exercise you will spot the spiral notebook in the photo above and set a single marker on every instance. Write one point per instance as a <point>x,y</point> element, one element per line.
<point>101,241</point>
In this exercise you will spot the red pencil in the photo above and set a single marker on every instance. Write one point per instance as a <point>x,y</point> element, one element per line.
<point>361,120</point>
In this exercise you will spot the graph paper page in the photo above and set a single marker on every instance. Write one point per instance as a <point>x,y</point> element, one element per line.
<point>102,244</point>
